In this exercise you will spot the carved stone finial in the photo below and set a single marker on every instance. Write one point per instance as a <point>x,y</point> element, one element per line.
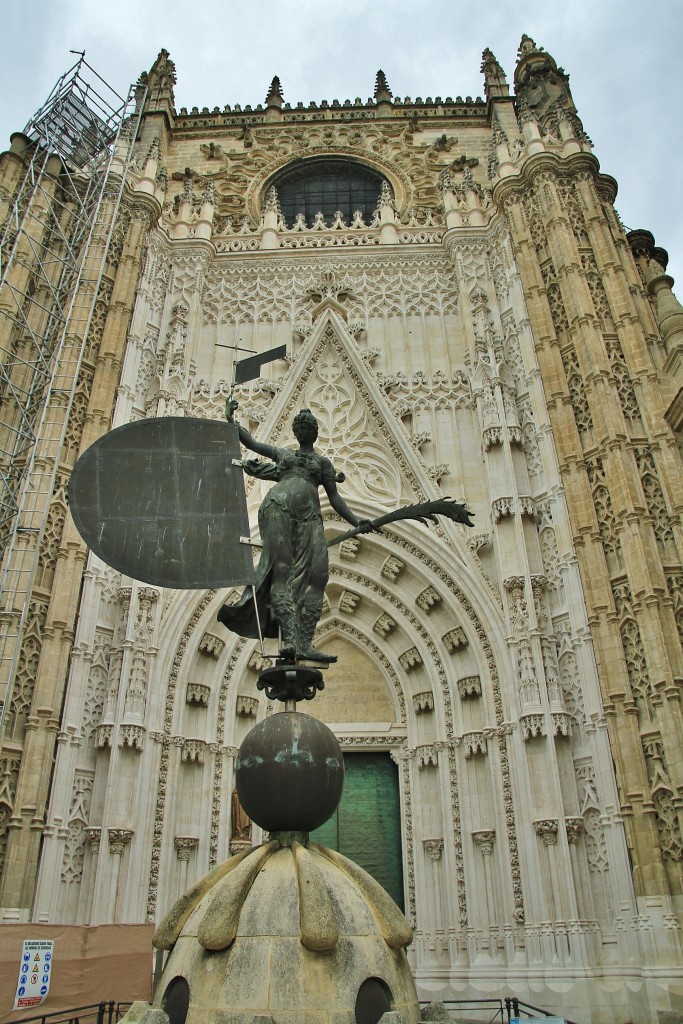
<point>495,82</point>
<point>498,134</point>
<point>383,93</point>
<point>272,201</point>
<point>527,46</point>
<point>275,95</point>
<point>209,193</point>
<point>543,89</point>
<point>160,81</point>
<point>386,197</point>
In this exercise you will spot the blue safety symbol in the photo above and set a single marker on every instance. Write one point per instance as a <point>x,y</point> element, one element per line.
<point>22,990</point>
<point>43,990</point>
<point>46,967</point>
<point>46,978</point>
<point>23,979</point>
<point>27,956</point>
<point>48,956</point>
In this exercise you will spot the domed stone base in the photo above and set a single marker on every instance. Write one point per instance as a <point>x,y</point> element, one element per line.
<point>300,935</point>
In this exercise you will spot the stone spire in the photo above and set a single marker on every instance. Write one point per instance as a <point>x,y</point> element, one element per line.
<point>540,84</point>
<point>159,82</point>
<point>495,82</point>
<point>275,97</point>
<point>383,93</point>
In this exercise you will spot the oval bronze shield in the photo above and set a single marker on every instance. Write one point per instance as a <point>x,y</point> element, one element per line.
<point>161,501</point>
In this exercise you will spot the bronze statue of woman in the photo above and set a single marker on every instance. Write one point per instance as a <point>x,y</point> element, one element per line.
<point>293,568</point>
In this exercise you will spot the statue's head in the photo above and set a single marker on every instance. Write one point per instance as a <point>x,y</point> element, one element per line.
<point>305,426</point>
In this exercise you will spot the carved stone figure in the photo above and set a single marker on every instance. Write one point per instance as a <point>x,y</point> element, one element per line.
<point>241,822</point>
<point>293,569</point>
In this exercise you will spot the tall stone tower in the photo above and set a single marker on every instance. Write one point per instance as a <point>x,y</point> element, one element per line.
<point>465,315</point>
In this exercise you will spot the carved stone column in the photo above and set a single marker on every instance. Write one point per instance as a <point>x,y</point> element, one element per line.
<point>119,838</point>
<point>574,828</point>
<point>93,835</point>
<point>184,845</point>
<point>433,849</point>
<point>484,838</point>
<point>547,829</point>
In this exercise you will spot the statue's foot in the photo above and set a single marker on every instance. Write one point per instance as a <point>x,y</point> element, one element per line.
<point>312,654</point>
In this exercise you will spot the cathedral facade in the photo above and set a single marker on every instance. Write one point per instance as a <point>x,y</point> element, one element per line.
<point>465,314</point>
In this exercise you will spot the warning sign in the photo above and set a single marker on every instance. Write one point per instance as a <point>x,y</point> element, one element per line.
<point>34,973</point>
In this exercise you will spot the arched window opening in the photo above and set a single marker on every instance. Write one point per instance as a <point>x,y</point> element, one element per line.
<point>373,1001</point>
<point>176,1000</point>
<point>326,186</point>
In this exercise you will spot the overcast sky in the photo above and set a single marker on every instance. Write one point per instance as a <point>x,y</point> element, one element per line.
<point>624,59</point>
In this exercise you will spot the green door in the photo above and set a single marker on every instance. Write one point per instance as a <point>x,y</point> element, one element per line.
<point>366,827</point>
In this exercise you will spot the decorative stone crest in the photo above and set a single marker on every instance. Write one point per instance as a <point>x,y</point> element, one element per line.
<point>211,645</point>
<point>132,736</point>
<point>246,706</point>
<point>384,625</point>
<point>469,687</point>
<point>410,659</point>
<point>428,599</point>
<point>532,726</point>
<point>474,743</point>
<point>348,549</point>
<point>455,639</point>
<point>193,751</point>
<point>348,602</point>
<point>197,695</point>
<point>392,568</point>
<point>423,702</point>
<point>258,662</point>
<point>426,756</point>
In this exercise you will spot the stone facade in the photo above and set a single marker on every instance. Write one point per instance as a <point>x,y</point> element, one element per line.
<point>492,334</point>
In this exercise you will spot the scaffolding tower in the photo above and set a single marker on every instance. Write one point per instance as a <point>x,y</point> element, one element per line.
<point>77,150</point>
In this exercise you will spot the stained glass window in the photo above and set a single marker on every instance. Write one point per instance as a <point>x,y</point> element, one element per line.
<point>325,186</point>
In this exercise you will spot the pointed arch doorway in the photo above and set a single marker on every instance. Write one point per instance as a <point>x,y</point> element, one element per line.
<point>366,827</point>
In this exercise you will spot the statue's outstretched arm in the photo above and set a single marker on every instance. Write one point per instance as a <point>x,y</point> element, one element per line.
<point>342,509</point>
<point>268,450</point>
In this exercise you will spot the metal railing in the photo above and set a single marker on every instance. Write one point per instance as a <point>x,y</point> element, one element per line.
<point>518,1008</point>
<point>105,1012</point>
<point>483,1011</point>
<point>487,1011</point>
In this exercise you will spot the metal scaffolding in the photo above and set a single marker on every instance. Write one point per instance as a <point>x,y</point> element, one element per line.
<point>53,247</point>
